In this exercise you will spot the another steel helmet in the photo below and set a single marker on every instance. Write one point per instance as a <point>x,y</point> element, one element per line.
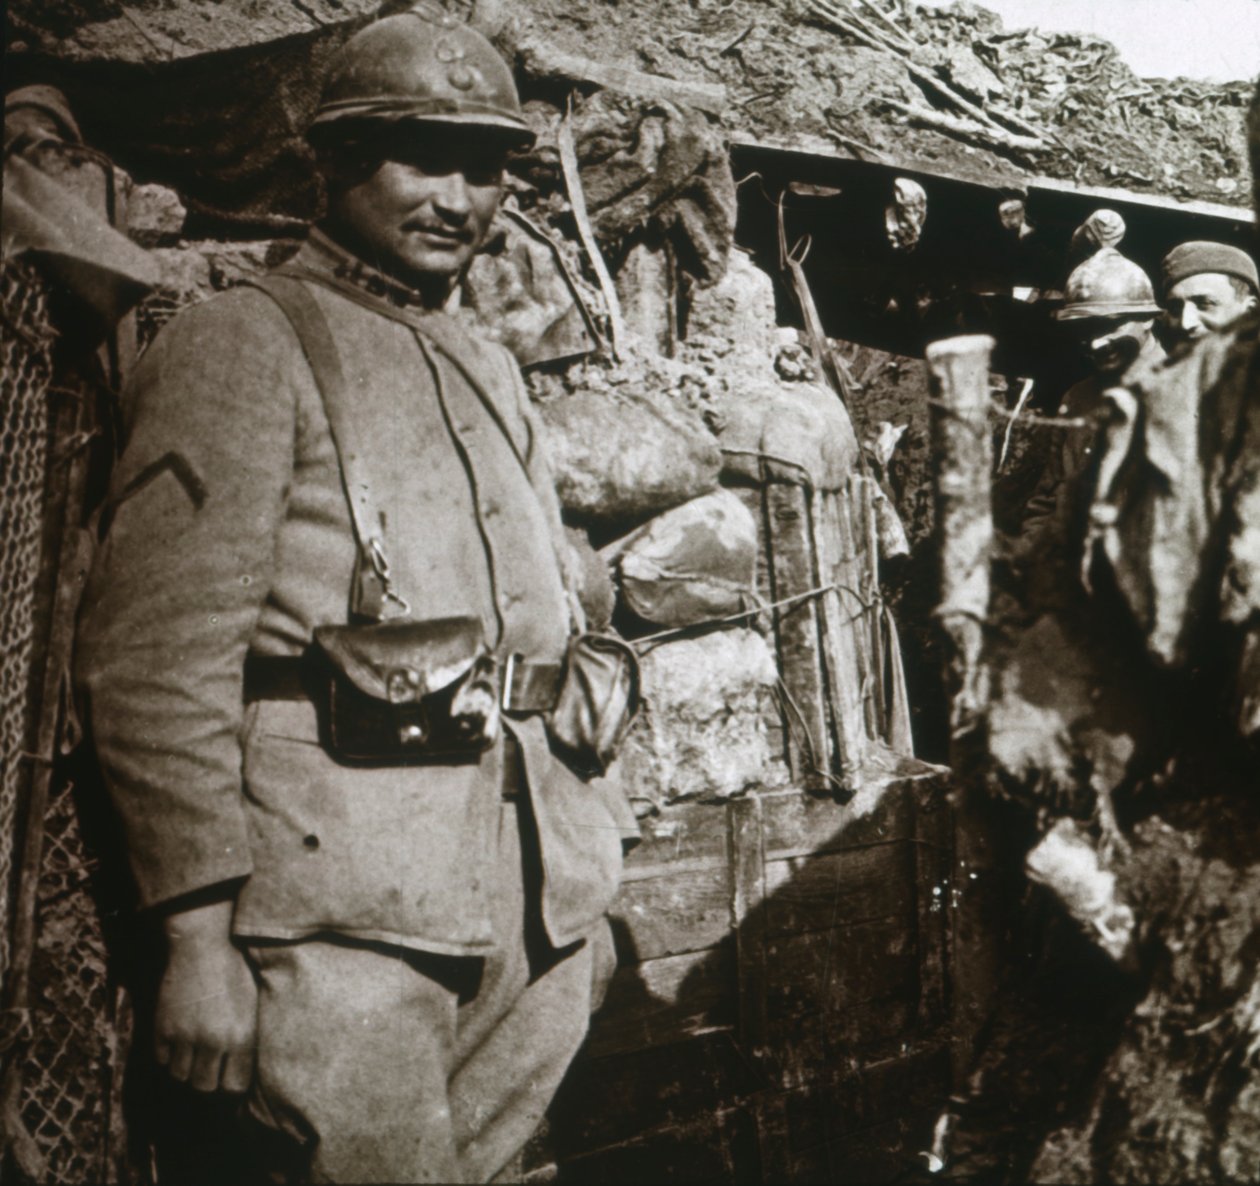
<point>425,67</point>
<point>1108,285</point>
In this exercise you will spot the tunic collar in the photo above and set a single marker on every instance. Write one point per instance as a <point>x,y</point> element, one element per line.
<point>331,262</point>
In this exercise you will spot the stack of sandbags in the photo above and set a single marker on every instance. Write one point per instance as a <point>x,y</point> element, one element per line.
<point>638,469</point>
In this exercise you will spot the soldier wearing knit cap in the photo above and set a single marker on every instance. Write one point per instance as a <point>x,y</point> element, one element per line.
<point>1206,287</point>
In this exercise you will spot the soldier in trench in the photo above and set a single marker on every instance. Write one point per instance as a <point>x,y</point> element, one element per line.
<point>328,620</point>
<point>1110,307</point>
<point>1207,287</point>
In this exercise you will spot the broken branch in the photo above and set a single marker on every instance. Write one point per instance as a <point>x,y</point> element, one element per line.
<point>542,61</point>
<point>993,135</point>
<point>860,30</point>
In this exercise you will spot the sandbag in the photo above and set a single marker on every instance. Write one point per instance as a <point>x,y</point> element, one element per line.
<point>658,166</point>
<point>693,564</point>
<point>524,297</point>
<point>795,431</point>
<point>619,457</point>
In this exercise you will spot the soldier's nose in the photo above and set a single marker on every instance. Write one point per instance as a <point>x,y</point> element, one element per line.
<point>1190,319</point>
<point>450,195</point>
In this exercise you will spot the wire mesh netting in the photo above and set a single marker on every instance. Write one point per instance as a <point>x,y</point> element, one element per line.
<point>64,1053</point>
<point>25,373</point>
<point>69,1062</point>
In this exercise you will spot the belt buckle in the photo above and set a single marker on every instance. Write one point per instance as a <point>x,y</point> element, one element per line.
<point>509,672</point>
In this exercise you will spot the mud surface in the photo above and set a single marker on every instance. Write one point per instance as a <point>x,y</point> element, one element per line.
<point>788,77</point>
<point>787,74</point>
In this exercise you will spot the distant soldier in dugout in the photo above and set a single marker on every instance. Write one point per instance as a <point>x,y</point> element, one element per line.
<point>1109,304</point>
<point>1207,287</point>
<point>336,670</point>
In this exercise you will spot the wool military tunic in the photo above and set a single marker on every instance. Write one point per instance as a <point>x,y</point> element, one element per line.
<point>229,532</point>
<point>1055,517</point>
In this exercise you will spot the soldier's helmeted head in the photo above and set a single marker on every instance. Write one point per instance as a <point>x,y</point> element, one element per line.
<point>1207,287</point>
<point>416,121</point>
<point>1109,303</point>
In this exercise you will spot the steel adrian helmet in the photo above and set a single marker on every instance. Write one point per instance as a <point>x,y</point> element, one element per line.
<point>422,67</point>
<point>1108,285</point>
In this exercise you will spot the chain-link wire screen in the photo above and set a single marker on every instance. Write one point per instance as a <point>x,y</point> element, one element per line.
<point>65,1051</point>
<point>25,373</point>
<point>69,1063</point>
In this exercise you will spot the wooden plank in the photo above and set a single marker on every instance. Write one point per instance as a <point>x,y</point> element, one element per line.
<point>818,1118</point>
<point>914,1082</point>
<point>662,1156</point>
<point>774,1138</point>
<point>797,825</point>
<point>877,696</point>
<point>611,1100</point>
<point>882,1153</point>
<point>836,994</point>
<point>748,918</point>
<point>821,893</point>
<point>826,1118</point>
<point>665,1000</point>
<point>858,602</point>
<point>754,500</point>
<point>741,1149</point>
<point>841,612</point>
<point>852,1032</point>
<point>869,961</point>
<point>691,833</point>
<point>674,913</point>
<point>832,166</point>
<point>793,572</point>
<point>934,858</point>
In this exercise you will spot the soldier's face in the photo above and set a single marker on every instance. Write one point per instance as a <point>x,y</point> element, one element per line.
<point>1202,304</point>
<point>420,210</point>
<point>1112,343</point>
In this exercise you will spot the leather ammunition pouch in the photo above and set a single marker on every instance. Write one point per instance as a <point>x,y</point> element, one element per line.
<point>597,702</point>
<point>402,691</point>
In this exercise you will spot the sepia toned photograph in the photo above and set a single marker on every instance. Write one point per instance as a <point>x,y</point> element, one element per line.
<point>630,591</point>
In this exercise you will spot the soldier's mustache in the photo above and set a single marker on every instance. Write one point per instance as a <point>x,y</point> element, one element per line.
<point>462,234</point>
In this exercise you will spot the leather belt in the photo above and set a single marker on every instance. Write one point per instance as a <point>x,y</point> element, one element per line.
<point>282,677</point>
<point>528,685</point>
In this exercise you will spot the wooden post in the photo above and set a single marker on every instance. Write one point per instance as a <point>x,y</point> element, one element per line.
<point>800,645</point>
<point>746,843</point>
<point>841,564</point>
<point>959,372</point>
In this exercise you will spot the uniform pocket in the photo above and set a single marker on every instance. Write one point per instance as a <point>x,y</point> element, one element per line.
<point>392,853</point>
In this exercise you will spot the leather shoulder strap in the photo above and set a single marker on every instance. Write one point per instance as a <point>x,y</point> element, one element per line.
<point>295,300</point>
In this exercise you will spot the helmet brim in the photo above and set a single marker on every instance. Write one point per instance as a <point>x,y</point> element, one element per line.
<point>343,117</point>
<point>1082,310</point>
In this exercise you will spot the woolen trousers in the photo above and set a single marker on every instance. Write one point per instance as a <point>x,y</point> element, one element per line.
<point>390,1065</point>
